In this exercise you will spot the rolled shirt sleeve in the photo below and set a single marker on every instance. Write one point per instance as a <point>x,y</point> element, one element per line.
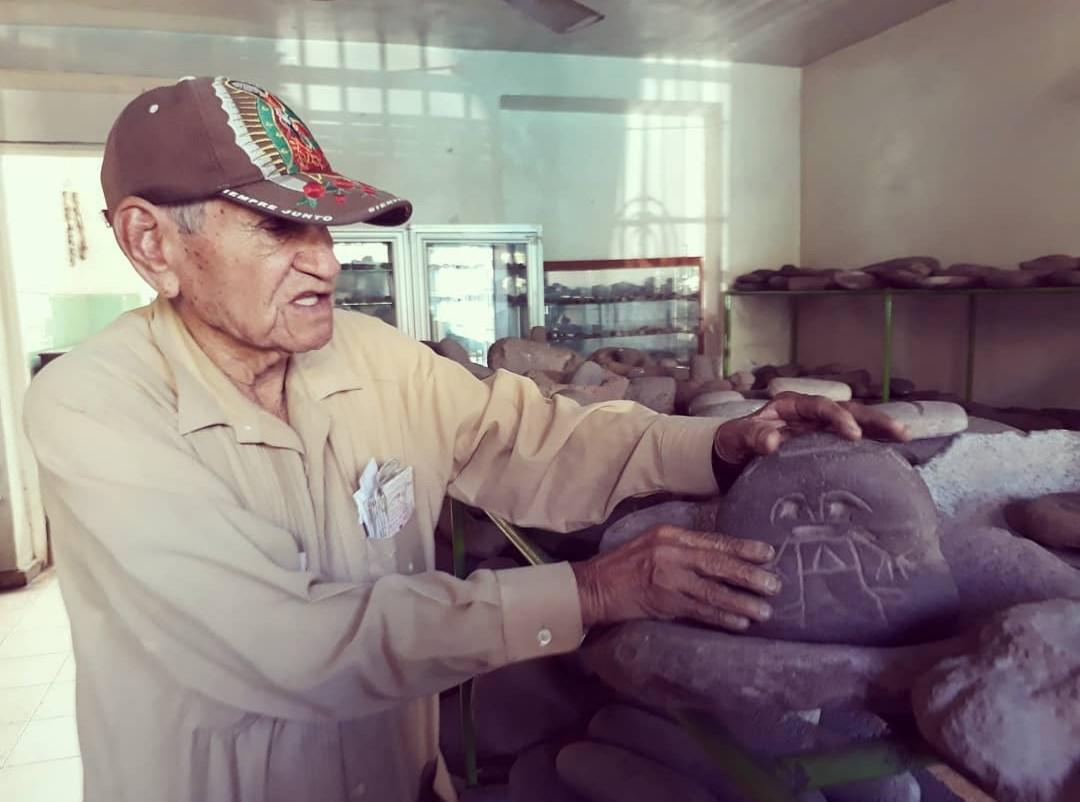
<point>552,463</point>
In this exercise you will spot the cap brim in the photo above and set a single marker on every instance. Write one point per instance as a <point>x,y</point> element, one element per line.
<point>326,199</point>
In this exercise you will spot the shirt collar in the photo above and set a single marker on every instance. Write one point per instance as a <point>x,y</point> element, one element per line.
<point>205,396</point>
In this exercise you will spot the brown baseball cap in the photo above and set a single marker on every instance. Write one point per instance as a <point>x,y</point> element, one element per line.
<point>202,138</point>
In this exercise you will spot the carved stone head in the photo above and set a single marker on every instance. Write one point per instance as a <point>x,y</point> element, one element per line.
<point>856,537</point>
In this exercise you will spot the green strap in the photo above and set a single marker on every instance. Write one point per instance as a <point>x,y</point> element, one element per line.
<point>468,730</point>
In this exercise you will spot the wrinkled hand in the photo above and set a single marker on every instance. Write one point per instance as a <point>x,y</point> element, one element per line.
<point>670,572</point>
<point>791,414</point>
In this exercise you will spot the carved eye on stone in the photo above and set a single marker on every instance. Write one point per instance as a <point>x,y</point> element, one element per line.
<point>792,509</point>
<point>840,506</point>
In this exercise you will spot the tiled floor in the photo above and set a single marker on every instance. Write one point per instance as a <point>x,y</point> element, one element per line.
<point>39,750</point>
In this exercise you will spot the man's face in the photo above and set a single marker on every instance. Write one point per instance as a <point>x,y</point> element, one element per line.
<point>262,282</point>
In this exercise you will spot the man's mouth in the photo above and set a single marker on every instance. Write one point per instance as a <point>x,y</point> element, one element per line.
<point>311,298</point>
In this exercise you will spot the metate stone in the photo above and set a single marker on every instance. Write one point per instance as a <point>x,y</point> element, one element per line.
<point>856,538</point>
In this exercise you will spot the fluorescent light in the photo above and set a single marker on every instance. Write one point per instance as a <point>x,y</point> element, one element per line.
<point>561,16</point>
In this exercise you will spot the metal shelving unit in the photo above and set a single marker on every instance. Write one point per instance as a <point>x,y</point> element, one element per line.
<point>886,296</point>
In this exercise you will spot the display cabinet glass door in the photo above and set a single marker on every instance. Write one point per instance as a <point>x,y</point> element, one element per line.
<point>650,304</point>
<point>478,288</point>
<point>366,282</point>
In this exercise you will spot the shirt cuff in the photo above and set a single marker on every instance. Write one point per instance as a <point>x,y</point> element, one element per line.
<point>686,455</point>
<point>541,611</point>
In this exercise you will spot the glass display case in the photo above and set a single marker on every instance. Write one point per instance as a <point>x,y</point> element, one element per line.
<point>650,304</point>
<point>372,272</point>
<point>479,283</point>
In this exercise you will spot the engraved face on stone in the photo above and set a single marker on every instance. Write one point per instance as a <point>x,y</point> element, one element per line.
<point>856,537</point>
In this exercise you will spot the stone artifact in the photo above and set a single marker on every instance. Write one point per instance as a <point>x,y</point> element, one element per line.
<point>970,270</point>
<point>590,374</point>
<point>743,381</point>
<point>655,392</point>
<point>984,562</point>
<point>667,743</point>
<point>698,516</point>
<point>521,356</point>
<point>1054,263</point>
<point>484,793</point>
<point>1052,520</point>
<point>733,410</point>
<point>620,360</point>
<point>809,283</point>
<point>686,392</point>
<point>766,373</point>
<point>949,282</point>
<point>857,380</point>
<point>679,373</point>
<point>1008,710</point>
<point>920,452</point>
<point>613,388</point>
<point>1011,279</point>
<point>547,385</point>
<point>901,387</point>
<point>452,349</point>
<point>925,419</point>
<point>603,773</point>
<point>1065,278</point>
<point>672,666</point>
<point>837,391</point>
<point>856,280</point>
<point>704,401</point>
<point>523,704</point>
<point>856,536</point>
<point>918,265</point>
<point>703,368</point>
<point>533,778</point>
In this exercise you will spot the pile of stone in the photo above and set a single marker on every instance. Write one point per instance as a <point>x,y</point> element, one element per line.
<point>611,374</point>
<point>917,273</point>
<point>608,374</point>
<point>907,602</point>
<point>701,389</point>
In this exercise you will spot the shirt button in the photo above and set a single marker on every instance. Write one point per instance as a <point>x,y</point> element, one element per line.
<point>543,637</point>
<point>409,568</point>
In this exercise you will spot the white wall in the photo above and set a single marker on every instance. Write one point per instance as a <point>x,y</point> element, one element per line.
<point>954,135</point>
<point>614,157</point>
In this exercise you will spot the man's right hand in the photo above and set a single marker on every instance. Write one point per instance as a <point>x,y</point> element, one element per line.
<point>669,572</point>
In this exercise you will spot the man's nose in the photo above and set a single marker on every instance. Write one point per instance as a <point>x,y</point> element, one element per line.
<point>316,255</point>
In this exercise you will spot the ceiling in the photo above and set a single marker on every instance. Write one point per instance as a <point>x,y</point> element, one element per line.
<point>782,32</point>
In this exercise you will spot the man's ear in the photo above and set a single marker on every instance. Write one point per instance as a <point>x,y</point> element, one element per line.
<point>148,237</point>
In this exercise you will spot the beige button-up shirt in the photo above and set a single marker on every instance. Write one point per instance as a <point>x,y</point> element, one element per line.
<point>237,634</point>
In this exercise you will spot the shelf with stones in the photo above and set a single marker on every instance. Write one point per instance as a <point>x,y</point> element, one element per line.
<point>588,300</point>
<point>649,331</point>
<point>1054,273</point>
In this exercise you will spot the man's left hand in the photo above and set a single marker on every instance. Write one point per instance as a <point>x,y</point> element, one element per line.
<point>791,414</point>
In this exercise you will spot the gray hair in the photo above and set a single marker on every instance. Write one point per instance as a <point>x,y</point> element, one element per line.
<point>188,217</point>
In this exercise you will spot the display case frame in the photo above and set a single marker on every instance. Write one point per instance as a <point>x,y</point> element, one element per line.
<point>633,338</point>
<point>529,237</point>
<point>403,297</point>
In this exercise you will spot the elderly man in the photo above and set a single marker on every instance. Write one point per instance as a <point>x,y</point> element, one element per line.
<point>239,634</point>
